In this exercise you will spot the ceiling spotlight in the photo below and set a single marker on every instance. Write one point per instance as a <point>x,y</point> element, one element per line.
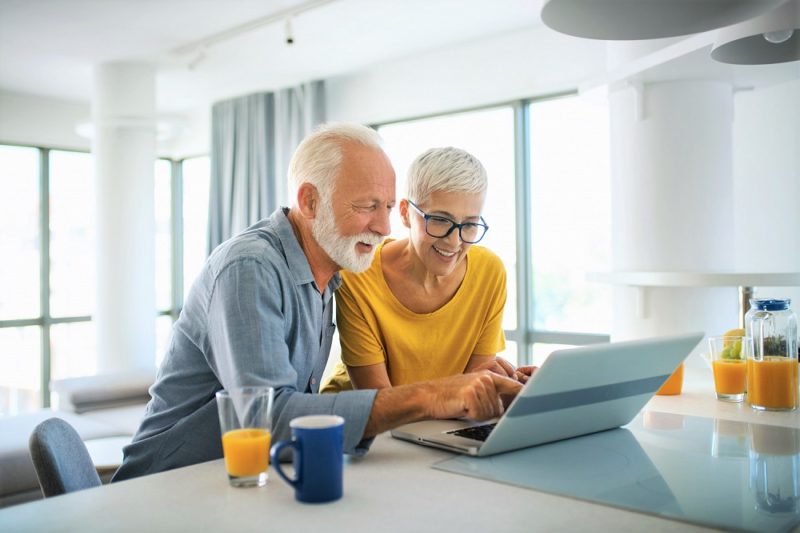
<point>778,37</point>
<point>774,37</point>
<point>288,32</point>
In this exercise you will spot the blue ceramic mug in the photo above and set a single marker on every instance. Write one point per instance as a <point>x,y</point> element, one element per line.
<point>317,444</point>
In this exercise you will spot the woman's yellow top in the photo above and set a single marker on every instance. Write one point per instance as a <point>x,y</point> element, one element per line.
<point>374,327</point>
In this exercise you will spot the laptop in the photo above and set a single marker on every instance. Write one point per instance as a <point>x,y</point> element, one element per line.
<point>575,392</point>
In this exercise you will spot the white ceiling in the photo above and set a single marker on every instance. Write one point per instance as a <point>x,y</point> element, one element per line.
<point>48,47</point>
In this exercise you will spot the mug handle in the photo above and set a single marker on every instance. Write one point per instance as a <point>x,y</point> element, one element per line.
<point>274,458</point>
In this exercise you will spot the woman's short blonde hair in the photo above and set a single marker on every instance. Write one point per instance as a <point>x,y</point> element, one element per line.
<point>444,169</point>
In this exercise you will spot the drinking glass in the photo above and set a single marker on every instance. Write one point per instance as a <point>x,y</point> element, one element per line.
<point>245,419</point>
<point>729,364</point>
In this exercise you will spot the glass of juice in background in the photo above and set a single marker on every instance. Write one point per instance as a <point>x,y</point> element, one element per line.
<point>245,418</point>
<point>729,364</point>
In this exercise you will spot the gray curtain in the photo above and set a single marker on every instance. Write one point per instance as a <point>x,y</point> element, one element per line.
<point>252,141</point>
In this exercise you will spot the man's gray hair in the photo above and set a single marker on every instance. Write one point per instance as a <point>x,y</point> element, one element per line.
<point>319,156</point>
<point>445,169</point>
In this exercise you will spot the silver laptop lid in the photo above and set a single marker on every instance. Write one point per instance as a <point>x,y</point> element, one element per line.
<point>588,389</point>
<point>575,392</point>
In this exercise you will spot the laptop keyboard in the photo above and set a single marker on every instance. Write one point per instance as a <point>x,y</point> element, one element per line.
<point>480,433</point>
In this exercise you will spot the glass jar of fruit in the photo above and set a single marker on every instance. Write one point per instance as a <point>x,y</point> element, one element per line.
<point>772,369</point>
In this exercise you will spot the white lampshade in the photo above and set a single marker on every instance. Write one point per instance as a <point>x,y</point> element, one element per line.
<point>771,38</point>
<point>647,19</point>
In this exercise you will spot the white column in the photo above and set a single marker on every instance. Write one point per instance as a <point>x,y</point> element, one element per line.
<point>766,140</point>
<point>672,202</point>
<point>123,112</point>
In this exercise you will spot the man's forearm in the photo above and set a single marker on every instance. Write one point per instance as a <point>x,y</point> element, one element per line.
<point>396,406</point>
<point>475,395</point>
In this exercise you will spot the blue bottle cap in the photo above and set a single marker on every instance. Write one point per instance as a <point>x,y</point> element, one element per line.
<point>770,304</point>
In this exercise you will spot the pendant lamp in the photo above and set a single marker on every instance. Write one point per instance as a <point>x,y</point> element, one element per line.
<point>647,19</point>
<point>773,37</point>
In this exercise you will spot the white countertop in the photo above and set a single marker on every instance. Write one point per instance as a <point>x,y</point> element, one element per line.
<point>393,488</point>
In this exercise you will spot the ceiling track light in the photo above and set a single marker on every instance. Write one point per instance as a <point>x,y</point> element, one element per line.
<point>288,31</point>
<point>197,58</point>
<point>284,15</point>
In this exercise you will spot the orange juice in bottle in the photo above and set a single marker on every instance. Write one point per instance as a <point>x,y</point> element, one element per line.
<point>772,373</point>
<point>772,383</point>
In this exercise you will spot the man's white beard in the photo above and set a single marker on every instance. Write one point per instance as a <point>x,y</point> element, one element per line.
<point>342,249</point>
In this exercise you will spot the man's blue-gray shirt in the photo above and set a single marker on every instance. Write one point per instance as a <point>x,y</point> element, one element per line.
<point>254,316</point>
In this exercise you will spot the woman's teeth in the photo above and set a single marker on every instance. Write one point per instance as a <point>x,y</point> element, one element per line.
<point>442,252</point>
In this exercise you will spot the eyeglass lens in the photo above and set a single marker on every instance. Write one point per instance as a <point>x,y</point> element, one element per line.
<point>441,227</point>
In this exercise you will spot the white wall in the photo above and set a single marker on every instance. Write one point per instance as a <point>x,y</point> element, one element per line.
<point>193,135</point>
<point>502,68</point>
<point>38,121</point>
<point>766,128</point>
<point>766,173</point>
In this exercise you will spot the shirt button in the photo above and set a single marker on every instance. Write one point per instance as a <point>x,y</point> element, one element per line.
<point>313,381</point>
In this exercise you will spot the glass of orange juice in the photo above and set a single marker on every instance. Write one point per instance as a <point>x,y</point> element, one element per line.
<point>729,363</point>
<point>245,419</point>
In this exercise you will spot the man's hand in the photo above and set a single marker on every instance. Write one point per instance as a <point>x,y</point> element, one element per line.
<point>475,395</point>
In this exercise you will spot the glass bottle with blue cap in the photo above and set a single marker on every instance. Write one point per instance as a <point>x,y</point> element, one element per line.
<point>772,368</point>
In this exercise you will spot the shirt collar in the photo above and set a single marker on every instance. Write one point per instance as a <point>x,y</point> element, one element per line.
<point>295,257</point>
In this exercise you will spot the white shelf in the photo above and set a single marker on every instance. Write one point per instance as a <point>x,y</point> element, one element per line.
<point>697,279</point>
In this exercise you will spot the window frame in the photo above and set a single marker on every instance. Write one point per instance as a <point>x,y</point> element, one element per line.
<point>45,320</point>
<point>525,336</point>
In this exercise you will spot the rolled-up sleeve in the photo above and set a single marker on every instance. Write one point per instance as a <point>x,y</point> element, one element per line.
<point>254,340</point>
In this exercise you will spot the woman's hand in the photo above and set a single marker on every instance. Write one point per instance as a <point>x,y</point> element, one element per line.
<point>524,373</point>
<point>496,365</point>
<point>500,366</point>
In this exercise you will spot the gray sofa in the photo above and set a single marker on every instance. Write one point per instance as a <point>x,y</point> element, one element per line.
<point>98,407</point>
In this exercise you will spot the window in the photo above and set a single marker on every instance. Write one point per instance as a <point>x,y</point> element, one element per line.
<point>554,190</point>
<point>489,136</point>
<point>19,232</point>
<point>163,333</point>
<point>548,208</point>
<point>20,370</point>
<point>570,215</point>
<point>196,186</point>
<point>47,288</point>
<point>163,237</point>
<point>20,280</point>
<point>73,351</point>
<point>72,242</point>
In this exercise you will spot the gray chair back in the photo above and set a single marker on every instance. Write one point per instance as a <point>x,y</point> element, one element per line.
<point>61,460</point>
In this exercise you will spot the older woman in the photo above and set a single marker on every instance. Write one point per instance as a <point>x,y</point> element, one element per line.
<point>430,305</point>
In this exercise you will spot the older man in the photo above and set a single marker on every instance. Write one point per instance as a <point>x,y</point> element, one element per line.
<point>260,314</point>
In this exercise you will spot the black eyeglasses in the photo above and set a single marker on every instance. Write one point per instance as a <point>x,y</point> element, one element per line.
<point>441,227</point>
